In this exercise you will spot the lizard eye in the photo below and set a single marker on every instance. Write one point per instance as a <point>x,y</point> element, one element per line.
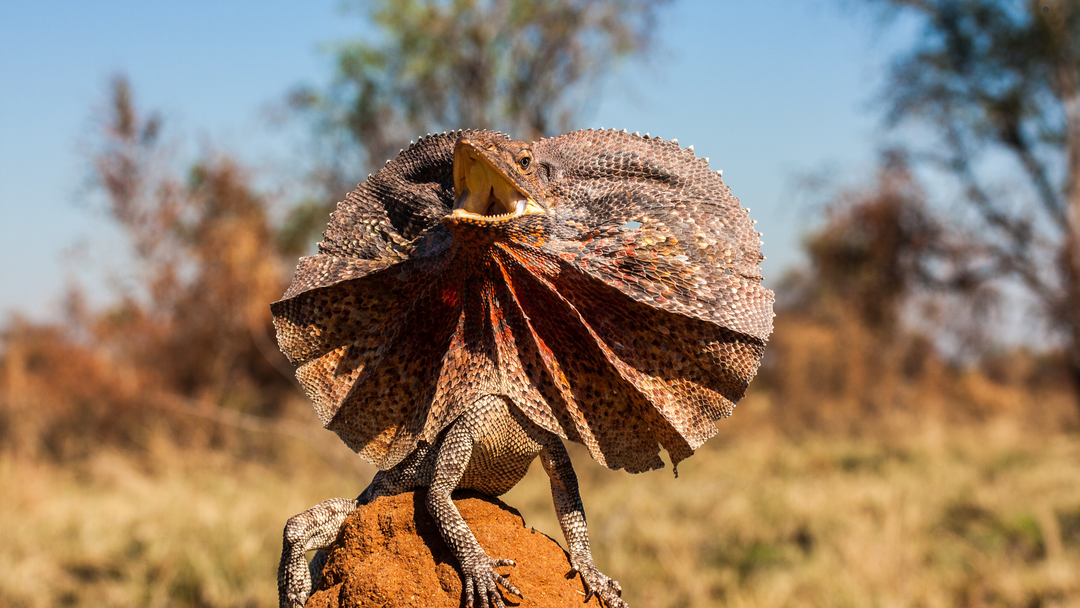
<point>524,162</point>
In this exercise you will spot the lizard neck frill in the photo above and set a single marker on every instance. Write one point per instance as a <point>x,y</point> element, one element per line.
<point>625,312</point>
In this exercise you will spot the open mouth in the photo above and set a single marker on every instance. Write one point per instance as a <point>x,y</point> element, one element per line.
<point>483,192</point>
<point>491,206</point>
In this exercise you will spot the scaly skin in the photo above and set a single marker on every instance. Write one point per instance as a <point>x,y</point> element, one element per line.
<point>479,300</point>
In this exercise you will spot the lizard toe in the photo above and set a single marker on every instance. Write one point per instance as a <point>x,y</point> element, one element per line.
<point>602,586</point>
<point>482,583</point>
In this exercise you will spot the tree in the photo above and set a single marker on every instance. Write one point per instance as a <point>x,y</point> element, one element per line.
<point>878,247</point>
<point>999,82</point>
<point>207,265</point>
<point>526,67</point>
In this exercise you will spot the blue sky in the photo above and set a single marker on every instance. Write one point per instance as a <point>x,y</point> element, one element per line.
<point>771,92</point>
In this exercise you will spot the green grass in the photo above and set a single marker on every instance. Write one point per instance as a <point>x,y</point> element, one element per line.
<point>985,516</point>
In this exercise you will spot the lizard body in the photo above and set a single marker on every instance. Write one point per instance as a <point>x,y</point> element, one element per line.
<point>480,299</point>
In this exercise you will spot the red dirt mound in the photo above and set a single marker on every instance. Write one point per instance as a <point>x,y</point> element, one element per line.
<point>390,555</point>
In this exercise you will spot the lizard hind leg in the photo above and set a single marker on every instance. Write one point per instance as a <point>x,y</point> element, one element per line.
<point>318,527</point>
<point>315,528</point>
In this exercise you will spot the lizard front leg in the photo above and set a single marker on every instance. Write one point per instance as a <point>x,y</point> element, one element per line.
<point>480,580</point>
<point>571,513</point>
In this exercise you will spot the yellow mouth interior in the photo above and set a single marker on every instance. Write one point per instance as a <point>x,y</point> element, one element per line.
<point>483,192</point>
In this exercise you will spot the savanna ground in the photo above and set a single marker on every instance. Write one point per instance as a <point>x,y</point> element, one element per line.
<point>921,514</point>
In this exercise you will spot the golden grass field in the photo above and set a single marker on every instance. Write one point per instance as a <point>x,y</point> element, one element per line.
<point>982,515</point>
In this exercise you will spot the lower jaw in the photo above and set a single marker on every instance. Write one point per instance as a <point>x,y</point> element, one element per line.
<point>462,213</point>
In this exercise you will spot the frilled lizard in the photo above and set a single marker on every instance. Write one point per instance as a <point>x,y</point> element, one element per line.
<point>479,300</point>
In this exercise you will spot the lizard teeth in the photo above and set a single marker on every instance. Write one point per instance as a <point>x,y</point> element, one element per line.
<point>461,212</point>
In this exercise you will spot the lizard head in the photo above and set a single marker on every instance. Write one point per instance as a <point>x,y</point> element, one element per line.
<point>496,179</point>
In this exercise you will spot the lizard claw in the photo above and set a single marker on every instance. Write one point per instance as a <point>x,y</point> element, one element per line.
<point>481,577</point>
<point>597,583</point>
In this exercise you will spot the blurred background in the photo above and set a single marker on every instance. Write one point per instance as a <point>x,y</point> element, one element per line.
<point>912,438</point>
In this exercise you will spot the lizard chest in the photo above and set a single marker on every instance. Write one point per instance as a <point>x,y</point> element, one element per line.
<point>502,451</point>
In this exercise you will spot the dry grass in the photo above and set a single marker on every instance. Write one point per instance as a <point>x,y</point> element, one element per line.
<point>168,528</point>
<point>987,517</point>
<point>977,516</point>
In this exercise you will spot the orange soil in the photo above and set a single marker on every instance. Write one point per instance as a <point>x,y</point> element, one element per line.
<point>390,555</point>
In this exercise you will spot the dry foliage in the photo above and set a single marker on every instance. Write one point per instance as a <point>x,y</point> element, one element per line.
<point>145,445</point>
<point>844,356</point>
<point>193,339</point>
